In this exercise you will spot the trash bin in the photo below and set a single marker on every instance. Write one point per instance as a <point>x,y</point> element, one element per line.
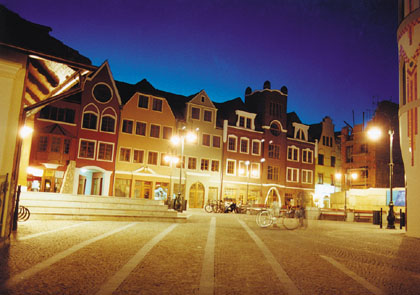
<point>377,217</point>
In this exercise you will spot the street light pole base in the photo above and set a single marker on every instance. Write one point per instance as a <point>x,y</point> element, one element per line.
<point>391,217</point>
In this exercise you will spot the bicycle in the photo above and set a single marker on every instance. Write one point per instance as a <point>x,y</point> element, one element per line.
<point>214,206</point>
<point>291,219</point>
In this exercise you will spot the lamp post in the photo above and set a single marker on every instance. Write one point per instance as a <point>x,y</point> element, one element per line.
<point>170,159</point>
<point>375,133</point>
<point>180,139</point>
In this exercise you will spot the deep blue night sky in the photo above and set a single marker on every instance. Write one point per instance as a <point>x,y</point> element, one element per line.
<point>334,56</point>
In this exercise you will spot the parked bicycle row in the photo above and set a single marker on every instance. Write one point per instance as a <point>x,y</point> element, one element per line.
<point>228,206</point>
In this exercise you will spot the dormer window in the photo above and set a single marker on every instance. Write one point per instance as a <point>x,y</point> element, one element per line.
<point>245,119</point>
<point>301,131</point>
<point>157,104</point>
<point>143,102</point>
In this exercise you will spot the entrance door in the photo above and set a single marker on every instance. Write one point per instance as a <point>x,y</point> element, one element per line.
<point>196,198</point>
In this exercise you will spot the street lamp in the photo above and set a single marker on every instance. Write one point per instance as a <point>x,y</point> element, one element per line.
<point>180,139</point>
<point>375,133</point>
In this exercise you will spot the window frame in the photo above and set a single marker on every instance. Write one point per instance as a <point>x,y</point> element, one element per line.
<point>308,151</point>
<point>129,154</point>
<point>122,126</point>
<point>157,107</point>
<point>228,143</point>
<point>151,129</point>
<point>80,145</point>
<point>309,173</point>
<point>145,128</point>
<point>292,169</point>
<point>108,116</point>
<point>138,102</point>
<point>259,147</point>
<point>139,150</point>
<point>112,151</point>
<point>192,113</point>
<point>148,158</point>
<point>293,148</point>
<point>234,167</point>
<point>247,145</point>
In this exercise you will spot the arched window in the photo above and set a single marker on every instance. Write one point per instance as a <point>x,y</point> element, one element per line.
<point>108,124</point>
<point>275,129</point>
<point>89,121</point>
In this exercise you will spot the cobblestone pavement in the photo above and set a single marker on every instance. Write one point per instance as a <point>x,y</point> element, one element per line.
<point>210,254</point>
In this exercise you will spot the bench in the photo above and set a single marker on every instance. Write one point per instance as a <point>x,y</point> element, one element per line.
<point>363,215</point>
<point>332,214</point>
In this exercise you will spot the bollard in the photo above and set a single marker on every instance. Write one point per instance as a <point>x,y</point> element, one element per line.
<point>380,222</point>
<point>16,213</point>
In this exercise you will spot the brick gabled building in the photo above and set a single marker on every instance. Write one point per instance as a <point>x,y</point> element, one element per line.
<point>242,160</point>
<point>271,106</point>
<point>94,165</point>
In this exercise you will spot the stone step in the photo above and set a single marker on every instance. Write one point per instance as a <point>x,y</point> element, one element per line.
<point>44,216</point>
<point>85,198</point>
<point>92,205</point>
<point>94,211</point>
<point>76,207</point>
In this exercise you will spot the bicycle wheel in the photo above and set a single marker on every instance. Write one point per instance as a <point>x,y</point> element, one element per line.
<point>264,219</point>
<point>208,208</point>
<point>291,222</point>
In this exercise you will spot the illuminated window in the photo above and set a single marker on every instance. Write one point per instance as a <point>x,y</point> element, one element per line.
<point>292,153</point>
<point>89,121</point>
<point>195,113</point>
<point>55,144</point>
<point>255,170</point>
<point>143,102</point>
<point>208,116</point>
<point>138,156</point>
<point>105,151</point>
<point>306,176</point>
<point>231,144</point>
<point>157,104</point>
<point>230,167</point>
<point>214,165</point>
<point>125,154</point>
<point>292,174</point>
<point>192,163</point>
<point>127,126</point>
<point>204,164</point>
<point>216,141</point>
<point>307,156</point>
<point>87,149</point>
<point>108,124</point>
<point>141,128</point>
<point>152,159</point>
<point>167,132</point>
<point>206,139</point>
<point>162,159</point>
<point>320,178</point>
<point>154,131</point>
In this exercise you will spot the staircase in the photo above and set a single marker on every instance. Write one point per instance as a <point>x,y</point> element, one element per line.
<point>48,206</point>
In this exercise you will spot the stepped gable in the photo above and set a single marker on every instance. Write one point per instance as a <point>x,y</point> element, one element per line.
<point>24,35</point>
